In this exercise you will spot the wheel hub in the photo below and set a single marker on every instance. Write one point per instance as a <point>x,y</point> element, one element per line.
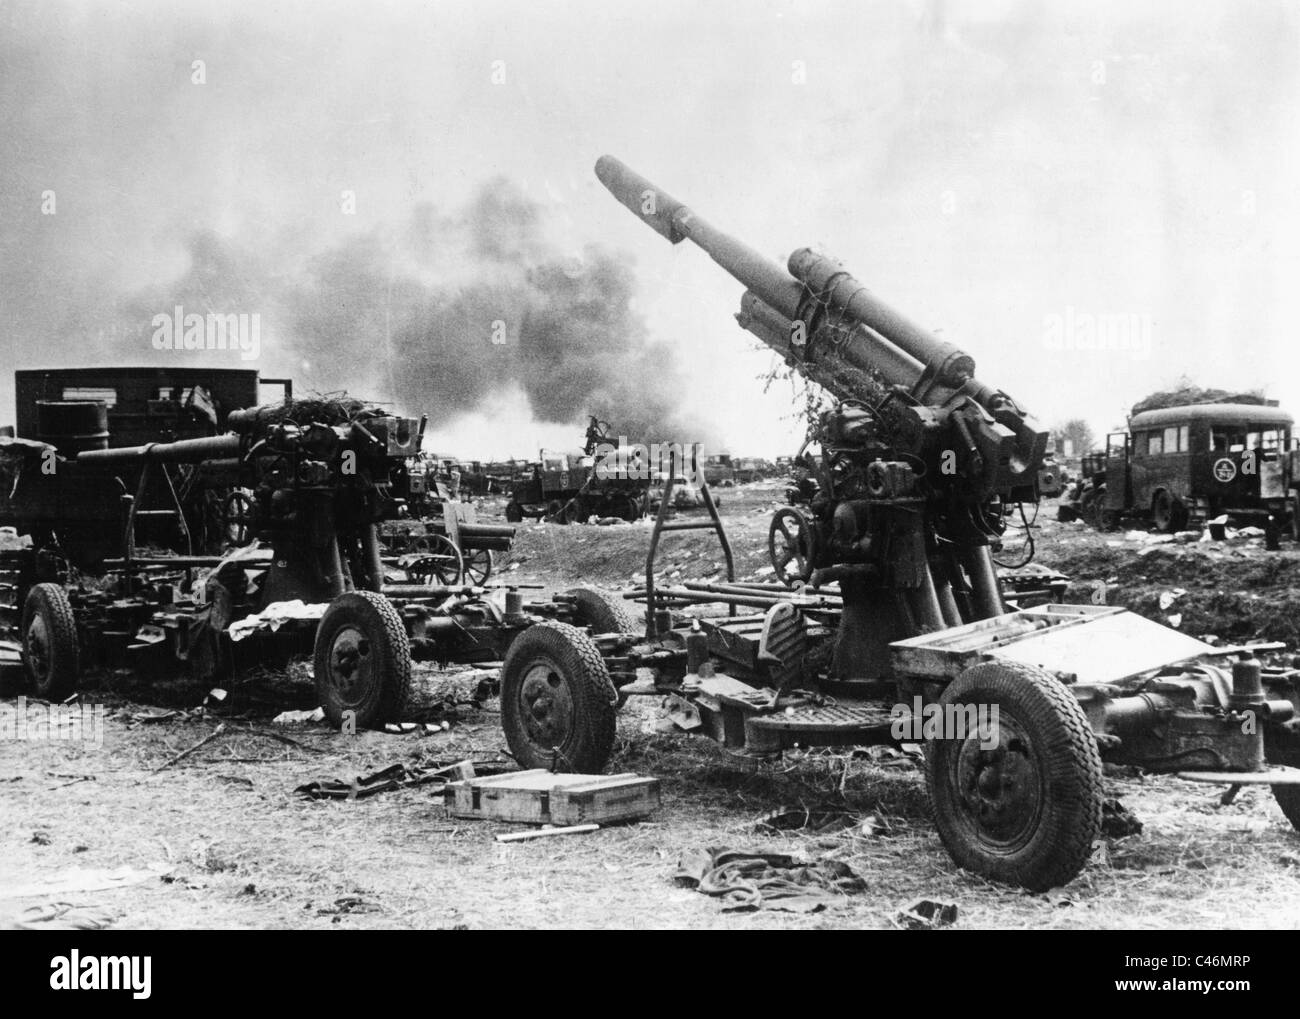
<point>351,662</point>
<point>1000,786</point>
<point>38,647</point>
<point>547,704</point>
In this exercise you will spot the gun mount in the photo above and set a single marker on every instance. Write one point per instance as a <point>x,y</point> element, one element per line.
<point>892,568</point>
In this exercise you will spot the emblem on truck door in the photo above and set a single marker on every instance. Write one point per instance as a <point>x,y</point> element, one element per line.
<point>1225,469</point>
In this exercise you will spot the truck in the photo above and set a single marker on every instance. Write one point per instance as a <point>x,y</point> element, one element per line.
<point>1181,467</point>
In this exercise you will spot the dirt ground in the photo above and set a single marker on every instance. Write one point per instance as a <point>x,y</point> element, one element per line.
<point>219,838</point>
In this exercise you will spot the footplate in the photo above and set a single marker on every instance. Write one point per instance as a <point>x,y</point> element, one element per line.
<point>813,726</point>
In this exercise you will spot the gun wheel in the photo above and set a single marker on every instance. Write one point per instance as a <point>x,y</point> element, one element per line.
<point>478,566</point>
<point>437,559</point>
<point>50,651</point>
<point>362,660</point>
<point>790,547</point>
<point>1021,801</point>
<point>557,701</point>
<point>237,518</point>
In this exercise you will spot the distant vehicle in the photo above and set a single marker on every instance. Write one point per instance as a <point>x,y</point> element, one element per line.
<point>568,488</point>
<point>719,472</point>
<point>1183,466</point>
<point>747,469</point>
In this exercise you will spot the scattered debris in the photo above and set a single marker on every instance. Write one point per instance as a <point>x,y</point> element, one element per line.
<point>1117,820</point>
<point>1167,598</point>
<point>925,914</point>
<point>152,717</point>
<point>397,776</point>
<point>275,616</point>
<point>806,819</point>
<point>214,734</point>
<point>547,831</point>
<point>348,904</point>
<point>299,717</point>
<point>57,916</point>
<point>80,879</point>
<point>767,880</point>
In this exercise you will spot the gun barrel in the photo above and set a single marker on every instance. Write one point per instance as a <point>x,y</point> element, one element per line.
<point>842,293</point>
<point>856,346</point>
<point>815,288</point>
<point>669,218</point>
<point>215,447</point>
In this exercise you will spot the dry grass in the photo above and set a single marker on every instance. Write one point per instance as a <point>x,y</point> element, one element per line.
<point>244,851</point>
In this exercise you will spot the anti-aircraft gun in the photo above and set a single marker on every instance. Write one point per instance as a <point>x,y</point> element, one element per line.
<point>921,460</point>
<point>921,463</point>
<point>316,478</point>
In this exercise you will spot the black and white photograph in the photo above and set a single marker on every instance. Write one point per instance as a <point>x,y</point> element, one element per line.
<point>750,465</point>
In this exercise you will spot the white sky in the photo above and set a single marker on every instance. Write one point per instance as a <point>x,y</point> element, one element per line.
<point>982,166</point>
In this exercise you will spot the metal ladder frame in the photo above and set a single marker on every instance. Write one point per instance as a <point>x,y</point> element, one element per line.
<point>714,523</point>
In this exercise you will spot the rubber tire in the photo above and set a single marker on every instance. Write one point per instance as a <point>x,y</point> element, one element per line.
<point>574,512</point>
<point>630,510</point>
<point>1288,798</point>
<point>1168,513</point>
<point>586,747</point>
<point>382,700</point>
<point>50,603</point>
<point>1059,844</point>
<point>514,513</point>
<point>603,612</point>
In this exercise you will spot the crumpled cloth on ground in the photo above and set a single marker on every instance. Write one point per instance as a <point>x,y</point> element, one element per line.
<point>395,776</point>
<point>275,616</point>
<point>767,880</point>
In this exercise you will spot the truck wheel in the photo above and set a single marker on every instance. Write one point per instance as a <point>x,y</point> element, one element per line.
<point>605,613</point>
<point>1168,512</point>
<point>363,660</point>
<point>557,701</point>
<point>629,508</point>
<point>602,611</point>
<point>514,512</point>
<point>575,512</point>
<point>50,650</point>
<point>1026,810</point>
<point>1288,798</point>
